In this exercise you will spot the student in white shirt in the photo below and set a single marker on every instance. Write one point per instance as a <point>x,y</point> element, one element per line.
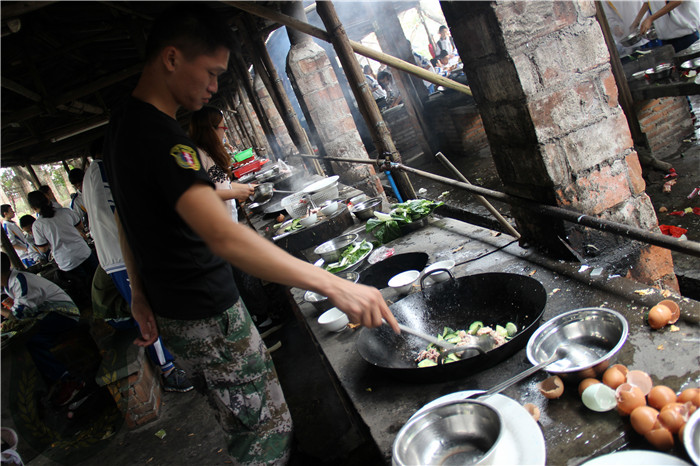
<point>27,253</point>
<point>34,297</point>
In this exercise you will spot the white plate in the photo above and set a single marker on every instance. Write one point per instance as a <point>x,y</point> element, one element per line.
<point>522,441</point>
<point>635,457</point>
<point>321,184</point>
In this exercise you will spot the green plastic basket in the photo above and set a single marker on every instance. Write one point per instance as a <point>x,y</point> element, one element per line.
<point>244,155</point>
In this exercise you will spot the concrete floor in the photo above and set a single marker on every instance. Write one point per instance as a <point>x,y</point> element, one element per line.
<point>325,434</point>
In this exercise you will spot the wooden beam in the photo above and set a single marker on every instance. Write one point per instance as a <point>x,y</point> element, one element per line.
<point>363,95</point>
<point>19,89</point>
<point>32,173</point>
<point>356,46</point>
<point>14,9</point>
<point>93,86</point>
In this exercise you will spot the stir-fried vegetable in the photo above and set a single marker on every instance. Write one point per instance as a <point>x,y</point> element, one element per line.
<point>292,226</point>
<point>387,227</point>
<point>349,256</point>
<point>429,357</point>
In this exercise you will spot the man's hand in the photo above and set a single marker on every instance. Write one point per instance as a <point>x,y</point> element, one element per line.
<point>143,314</point>
<point>646,25</point>
<point>362,304</point>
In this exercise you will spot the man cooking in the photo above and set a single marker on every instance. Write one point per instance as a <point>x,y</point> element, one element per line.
<point>176,243</point>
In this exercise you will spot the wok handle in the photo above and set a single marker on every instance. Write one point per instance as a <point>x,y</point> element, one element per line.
<point>426,275</point>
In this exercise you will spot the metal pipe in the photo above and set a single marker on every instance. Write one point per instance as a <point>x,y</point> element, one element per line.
<point>691,248</point>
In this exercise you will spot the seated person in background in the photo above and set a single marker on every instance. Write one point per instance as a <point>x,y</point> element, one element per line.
<point>25,223</point>
<point>393,97</point>
<point>676,23</point>
<point>427,65</point>
<point>445,62</point>
<point>77,204</point>
<point>378,93</point>
<point>27,253</point>
<point>34,297</point>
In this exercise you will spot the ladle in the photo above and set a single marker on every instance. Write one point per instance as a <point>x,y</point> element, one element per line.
<point>560,353</point>
<point>424,336</point>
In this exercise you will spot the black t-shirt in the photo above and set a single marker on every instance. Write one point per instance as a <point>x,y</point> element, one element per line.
<point>150,163</point>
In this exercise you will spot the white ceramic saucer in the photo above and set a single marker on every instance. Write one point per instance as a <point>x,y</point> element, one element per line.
<point>522,441</point>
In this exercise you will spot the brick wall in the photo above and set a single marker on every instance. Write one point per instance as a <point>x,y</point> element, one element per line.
<point>276,122</point>
<point>665,121</point>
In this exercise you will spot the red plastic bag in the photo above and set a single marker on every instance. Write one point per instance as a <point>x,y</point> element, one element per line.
<point>671,230</point>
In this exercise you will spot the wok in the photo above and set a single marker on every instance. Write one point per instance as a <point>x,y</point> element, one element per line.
<point>493,298</point>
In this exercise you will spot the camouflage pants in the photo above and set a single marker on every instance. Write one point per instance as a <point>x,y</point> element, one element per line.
<point>241,382</point>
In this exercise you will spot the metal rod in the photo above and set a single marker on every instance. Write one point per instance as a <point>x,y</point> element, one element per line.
<point>482,200</point>
<point>657,239</point>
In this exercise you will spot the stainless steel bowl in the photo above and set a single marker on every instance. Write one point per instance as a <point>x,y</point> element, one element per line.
<point>320,302</point>
<point>457,432</point>
<point>330,250</point>
<point>691,437</point>
<point>263,192</point>
<point>631,39</point>
<point>365,209</point>
<point>592,337</point>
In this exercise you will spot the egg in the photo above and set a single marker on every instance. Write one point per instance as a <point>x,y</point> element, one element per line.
<point>614,377</point>
<point>622,368</point>
<point>551,387</point>
<point>660,396</point>
<point>690,394</point>
<point>674,308</point>
<point>599,397</point>
<point>643,419</point>
<point>585,383</point>
<point>629,397</point>
<point>660,437</point>
<point>533,410</point>
<point>640,379</point>
<point>671,419</point>
<point>659,316</point>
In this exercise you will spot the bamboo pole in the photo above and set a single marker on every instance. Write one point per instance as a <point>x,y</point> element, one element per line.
<point>363,96</point>
<point>356,46</point>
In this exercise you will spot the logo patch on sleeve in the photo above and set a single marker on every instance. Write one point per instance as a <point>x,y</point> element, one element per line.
<point>185,156</point>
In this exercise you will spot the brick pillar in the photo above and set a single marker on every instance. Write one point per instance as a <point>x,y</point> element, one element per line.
<point>541,77</point>
<point>276,123</point>
<point>326,111</point>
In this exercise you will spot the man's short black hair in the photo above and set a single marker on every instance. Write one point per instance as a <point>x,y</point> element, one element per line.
<point>384,75</point>
<point>76,176</point>
<point>26,221</point>
<point>193,27</point>
<point>5,208</point>
<point>441,28</point>
<point>4,262</point>
<point>442,54</point>
<point>45,188</point>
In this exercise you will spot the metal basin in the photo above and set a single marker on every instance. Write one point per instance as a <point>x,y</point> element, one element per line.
<point>365,209</point>
<point>592,337</point>
<point>457,432</point>
<point>330,250</point>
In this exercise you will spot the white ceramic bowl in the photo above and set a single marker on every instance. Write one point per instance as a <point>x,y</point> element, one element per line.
<point>308,221</point>
<point>333,320</point>
<point>402,282</point>
<point>330,208</point>
<point>440,276</point>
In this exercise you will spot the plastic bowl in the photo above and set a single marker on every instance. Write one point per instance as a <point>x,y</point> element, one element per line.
<point>402,282</point>
<point>439,276</point>
<point>309,220</point>
<point>333,320</point>
<point>329,207</point>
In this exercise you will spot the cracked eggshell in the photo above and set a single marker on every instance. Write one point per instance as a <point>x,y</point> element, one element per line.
<point>629,397</point>
<point>585,383</point>
<point>640,379</point>
<point>660,396</point>
<point>643,419</point>
<point>533,410</point>
<point>659,316</point>
<point>674,308</point>
<point>614,376</point>
<point>551,387</point>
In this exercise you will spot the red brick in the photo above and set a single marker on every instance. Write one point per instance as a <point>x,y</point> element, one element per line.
<point>335,93</point>
<point>655,265</point>
<point>610,88</point>
<point>602,189</point>
<point>146,419</point>
<point>634,170</point>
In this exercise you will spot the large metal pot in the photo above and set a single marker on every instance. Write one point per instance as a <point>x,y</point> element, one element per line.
<point>493,298</point>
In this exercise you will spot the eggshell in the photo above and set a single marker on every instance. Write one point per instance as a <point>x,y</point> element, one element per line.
<point>660,396</point>
<point>661,438</point>
<point>599,397</point>
<point>673,307</point>
<point>533,410</point>
<point>585,383</point>
<point>671,419</point>
<point>643,419</point>
<point>629,397</point>
<point>640,379</point>
<point>614,377</point>
<point>659,316</point>
<point>551,387</point>
<point>622,368</point>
